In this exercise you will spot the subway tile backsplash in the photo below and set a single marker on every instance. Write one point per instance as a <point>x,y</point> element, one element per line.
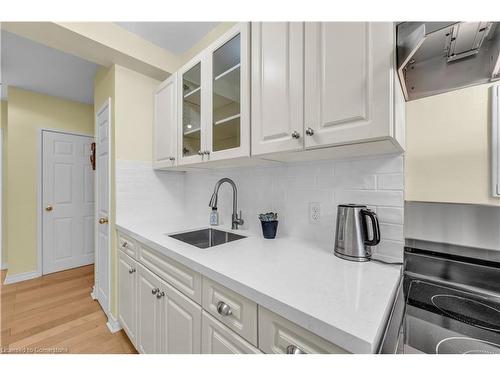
<point>288,189</point>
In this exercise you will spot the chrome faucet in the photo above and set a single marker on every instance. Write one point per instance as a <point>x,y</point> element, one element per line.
<point>235,220</point>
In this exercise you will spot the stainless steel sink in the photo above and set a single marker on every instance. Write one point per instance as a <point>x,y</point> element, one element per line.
<point>205,238</point>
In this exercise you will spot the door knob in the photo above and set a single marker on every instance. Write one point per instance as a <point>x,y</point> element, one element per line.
<point>103,220</point>
<point>295,134</point>
<point>309,131</point>
<point>49,208</point>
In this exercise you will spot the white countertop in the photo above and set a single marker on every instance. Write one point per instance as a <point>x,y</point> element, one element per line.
<point>344,302</point>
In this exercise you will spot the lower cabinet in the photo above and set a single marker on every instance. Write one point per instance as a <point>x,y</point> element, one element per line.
<point>180,322</point>
<point>127,296</point>
<point>158,317</point>
<point>218,339</point>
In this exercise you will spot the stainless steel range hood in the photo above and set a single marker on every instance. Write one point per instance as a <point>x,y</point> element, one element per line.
<point>436,57</point>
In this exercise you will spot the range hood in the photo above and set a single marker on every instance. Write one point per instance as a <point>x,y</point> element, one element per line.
<point>436,57</point>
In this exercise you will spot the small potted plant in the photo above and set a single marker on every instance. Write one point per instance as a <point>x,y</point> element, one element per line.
<point>269,223</point>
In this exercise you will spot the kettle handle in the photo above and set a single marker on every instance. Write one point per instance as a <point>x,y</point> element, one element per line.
<point>376,229</point>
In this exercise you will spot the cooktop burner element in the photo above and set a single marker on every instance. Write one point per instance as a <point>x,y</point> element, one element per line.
<point>469,311</point>
<point>466,345</point>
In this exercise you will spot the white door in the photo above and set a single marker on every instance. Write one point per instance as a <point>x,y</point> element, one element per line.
<point>348,81</point>
<point>227,82</point>
<point>148,312</point>
<point>165,124</point>
<point>277,87</point>
<point>191,112</point>
<point>180,322</point>
<point>68,202</point>
<point>102,269</point>
<point>127,298</point>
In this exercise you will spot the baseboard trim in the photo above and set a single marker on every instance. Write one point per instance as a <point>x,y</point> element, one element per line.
<point>4,266</point>
<point>113,324</point>
<point>11,279</point>
<point>92,294</point>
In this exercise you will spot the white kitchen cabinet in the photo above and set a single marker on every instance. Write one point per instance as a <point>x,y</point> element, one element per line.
<point>280,336</point>
<point>218,339</point>
<point>214,105</point>
<point>180,322</point>
<point>348,82</point>
<point>277,87</point>
<point>165,124</point>
<point>148,312</point>
<point>495,141</point>
<point>127,302</point>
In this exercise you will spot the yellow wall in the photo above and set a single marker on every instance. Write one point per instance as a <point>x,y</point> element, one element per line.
<point>3,123</point>
<point>134,114</point>
<point>448,141</point>
<point>27,113</point>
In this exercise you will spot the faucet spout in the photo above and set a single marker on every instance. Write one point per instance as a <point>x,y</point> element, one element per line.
<point>235,219</point>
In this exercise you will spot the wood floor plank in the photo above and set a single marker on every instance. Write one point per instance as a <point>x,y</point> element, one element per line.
<point>56,312</point>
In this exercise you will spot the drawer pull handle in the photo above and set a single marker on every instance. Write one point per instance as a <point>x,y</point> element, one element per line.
<point>292,349</point>
<point>155,290</point>
<point>131,270</point>
<point>159,295</point>
<point>223,309</point>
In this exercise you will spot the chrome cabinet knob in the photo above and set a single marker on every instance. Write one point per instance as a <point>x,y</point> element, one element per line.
<point>309,131</point>
<point>155,290</point>
<point>159,295</point>
<point>200,153</point>
<point>206,152</point>
<point>49,208</point>
<point>223,309</point>
<point>292,349</point>
<point>295,134</point>
<point>103,220</point>
<point>131,270</point>
<point>125,244</point>
<point>171,158</point>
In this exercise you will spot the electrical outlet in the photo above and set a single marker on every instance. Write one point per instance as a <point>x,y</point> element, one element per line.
<point>314,212</point>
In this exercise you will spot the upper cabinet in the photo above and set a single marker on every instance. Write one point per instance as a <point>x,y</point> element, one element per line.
<point>277,87</point>
<point>317,90</point>
<point>318,85</point>
<point>215,115</point>
<point>165,124</point>
<point>348,82</point>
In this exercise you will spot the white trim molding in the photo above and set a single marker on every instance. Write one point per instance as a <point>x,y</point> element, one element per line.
<point>113,324</point>
<point>4,266</point>
<point>11,279</point>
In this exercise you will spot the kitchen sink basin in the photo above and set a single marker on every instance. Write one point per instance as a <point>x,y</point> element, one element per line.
<point>205,238</point>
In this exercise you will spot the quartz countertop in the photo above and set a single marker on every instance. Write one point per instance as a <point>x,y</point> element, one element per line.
<point>346,303</point>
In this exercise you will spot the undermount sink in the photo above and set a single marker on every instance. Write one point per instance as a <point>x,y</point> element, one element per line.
<point>205,238</point>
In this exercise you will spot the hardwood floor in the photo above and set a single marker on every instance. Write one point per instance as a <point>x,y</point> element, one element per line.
<point>55,314</point>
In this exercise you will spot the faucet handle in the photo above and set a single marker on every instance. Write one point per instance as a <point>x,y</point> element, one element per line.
<point>239,220</point>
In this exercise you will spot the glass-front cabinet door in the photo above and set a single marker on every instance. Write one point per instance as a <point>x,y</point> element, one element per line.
<point>191,104</point>
<point>228,64</point>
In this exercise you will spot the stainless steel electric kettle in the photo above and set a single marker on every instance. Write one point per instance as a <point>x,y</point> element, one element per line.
<point>352,240</point>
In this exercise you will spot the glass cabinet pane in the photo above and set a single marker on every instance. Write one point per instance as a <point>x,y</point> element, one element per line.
<point>226,96</point>
<point>191,124</point>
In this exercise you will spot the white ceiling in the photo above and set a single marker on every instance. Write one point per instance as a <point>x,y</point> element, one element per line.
<point>177,37</point>
<point>35,67</point>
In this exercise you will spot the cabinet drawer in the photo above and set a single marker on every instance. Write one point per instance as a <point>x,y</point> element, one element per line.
<point>127,245</point>
<point>216,338</point>
<point>241,314</point>
<point>184,279</point>
<point>277,335</point>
